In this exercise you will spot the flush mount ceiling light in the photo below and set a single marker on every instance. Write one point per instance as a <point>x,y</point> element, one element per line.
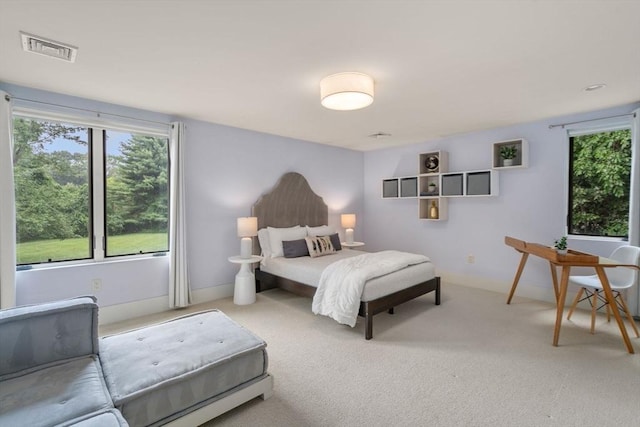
<point>346,91</point>
<point>594,87</point>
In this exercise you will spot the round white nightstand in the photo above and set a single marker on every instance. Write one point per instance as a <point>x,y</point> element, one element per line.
<point>352,245</point>
<point>244,291</point>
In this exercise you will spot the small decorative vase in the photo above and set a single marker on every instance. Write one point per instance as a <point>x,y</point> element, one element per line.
<point>507,162</point>
<point>561,251</point>
<point>433,211</point>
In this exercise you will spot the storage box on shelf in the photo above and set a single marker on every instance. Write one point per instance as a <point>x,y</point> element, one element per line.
<point>470,183</point>
<point>409,186</point>
<point>405,187</point>
<point>521,159</point>
<point>390,188</point>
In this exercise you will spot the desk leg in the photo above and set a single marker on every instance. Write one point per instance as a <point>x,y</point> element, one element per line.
<point>516,279</point>
<point>564,284</point>
<point>554,277</point>
<point>614,307</point>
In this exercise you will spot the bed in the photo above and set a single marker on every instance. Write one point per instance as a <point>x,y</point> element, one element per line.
<point>292,202</point>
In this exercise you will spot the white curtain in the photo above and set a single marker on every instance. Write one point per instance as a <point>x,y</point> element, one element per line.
<point>179,291</point>
<point>7,207</point>
<point>634,206</point>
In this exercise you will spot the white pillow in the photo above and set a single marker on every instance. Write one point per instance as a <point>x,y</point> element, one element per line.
<point>277,235</point>
<point>323,230</point>
<point>263,238</point>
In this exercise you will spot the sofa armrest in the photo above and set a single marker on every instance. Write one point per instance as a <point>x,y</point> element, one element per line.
<point>43,334</point>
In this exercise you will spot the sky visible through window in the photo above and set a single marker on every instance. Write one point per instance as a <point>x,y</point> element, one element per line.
<point>113,147</point>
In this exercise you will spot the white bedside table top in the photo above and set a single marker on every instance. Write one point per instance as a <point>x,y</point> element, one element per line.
<point>237,259</point>
<point>352,245</point>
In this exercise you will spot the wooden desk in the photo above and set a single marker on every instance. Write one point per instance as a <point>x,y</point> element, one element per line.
<point>571,259</point>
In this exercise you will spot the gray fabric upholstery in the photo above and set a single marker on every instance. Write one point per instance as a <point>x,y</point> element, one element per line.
<point>291,202</point>
<point>158,371</point>
<point>52,374</point>
<point>38,335</point>
<point>105,418</point>
<point>335,241</point>
<point>55,394</point>
<point>295,248</point>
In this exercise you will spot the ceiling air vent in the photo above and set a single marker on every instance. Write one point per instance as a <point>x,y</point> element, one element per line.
<point>42,46</point>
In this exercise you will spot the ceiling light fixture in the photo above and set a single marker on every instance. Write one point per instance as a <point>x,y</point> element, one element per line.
<point>346,91</point>
<point>594,87</point>
<point>379,135</point>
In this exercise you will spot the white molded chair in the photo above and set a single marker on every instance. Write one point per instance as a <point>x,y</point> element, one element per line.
<point>620,278</point>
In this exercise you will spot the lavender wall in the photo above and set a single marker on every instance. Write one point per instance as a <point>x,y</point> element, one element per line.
<point>227,169</point>
<point>531,206</point>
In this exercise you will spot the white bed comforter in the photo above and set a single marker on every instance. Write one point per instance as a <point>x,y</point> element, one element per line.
<point>341,283</point>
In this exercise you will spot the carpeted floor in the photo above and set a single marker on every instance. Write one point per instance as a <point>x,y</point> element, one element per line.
<point>472,361</point>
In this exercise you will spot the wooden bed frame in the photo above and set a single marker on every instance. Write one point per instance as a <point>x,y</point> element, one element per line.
<point>293,202</point>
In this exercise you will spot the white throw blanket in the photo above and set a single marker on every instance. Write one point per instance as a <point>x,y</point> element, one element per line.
<point>341,283</point>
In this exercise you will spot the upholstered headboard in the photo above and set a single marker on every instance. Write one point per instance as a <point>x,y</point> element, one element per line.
<point>291,202</point>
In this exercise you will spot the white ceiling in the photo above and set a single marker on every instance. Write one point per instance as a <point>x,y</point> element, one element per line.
<point>441,67</point>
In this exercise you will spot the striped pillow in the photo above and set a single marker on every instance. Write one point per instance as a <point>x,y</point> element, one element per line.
<point>319,246</point>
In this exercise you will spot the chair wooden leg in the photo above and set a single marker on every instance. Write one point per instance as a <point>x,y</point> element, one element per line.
<point>575,303</point>
<point>626,310</point>
<point>594,307</point>
<point>608,312</point>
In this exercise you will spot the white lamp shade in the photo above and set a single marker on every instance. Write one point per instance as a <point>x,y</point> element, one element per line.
<point>348,220</point>
<point>346,91</point>
<point>247,226</point>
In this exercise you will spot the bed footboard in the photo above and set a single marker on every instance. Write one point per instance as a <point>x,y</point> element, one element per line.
<point>387,303</point>
<point>368,309</point>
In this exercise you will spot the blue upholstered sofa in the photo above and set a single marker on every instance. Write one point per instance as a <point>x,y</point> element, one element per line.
<point>55,370</point>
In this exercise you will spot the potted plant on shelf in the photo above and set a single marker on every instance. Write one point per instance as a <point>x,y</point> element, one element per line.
<point>433,188</point>
<point>508,153</point>
<point>561,245</point>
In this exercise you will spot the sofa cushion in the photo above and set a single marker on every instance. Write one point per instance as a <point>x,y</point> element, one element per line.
<point>158,372</point>
<point>37,335</point>
<point>54,394</point>
<point>105,418</point>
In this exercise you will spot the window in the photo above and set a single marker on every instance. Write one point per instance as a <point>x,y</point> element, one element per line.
<point>600,182</point>
<point>87,192</point>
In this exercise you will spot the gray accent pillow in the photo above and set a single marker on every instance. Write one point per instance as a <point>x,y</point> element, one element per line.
<point>295,248</point>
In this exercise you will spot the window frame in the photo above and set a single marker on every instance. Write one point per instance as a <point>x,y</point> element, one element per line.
<point>97,128</point>
<point>590,128</point>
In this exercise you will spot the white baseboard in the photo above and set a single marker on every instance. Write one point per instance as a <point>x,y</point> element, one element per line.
<point>533,292</point>
<point>117,313</point>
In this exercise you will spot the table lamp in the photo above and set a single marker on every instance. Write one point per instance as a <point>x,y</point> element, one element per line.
<point>247,228</point>
<point>348,222</point>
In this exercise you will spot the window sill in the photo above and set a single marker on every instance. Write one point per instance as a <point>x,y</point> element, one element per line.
<point>578,237</point>
<point>86,263</point>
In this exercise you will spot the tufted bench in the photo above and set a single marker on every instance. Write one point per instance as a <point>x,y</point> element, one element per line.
<point>54,370</point>
<point>159,373</point>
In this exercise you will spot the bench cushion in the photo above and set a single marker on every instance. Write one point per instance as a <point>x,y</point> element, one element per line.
<point>156,372</point>
<point>55,394</point>
<point>105,418</point>
<point>35,335</point>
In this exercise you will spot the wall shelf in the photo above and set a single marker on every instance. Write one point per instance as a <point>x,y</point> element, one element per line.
<point>522,154</point>
<point>434,184</point>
